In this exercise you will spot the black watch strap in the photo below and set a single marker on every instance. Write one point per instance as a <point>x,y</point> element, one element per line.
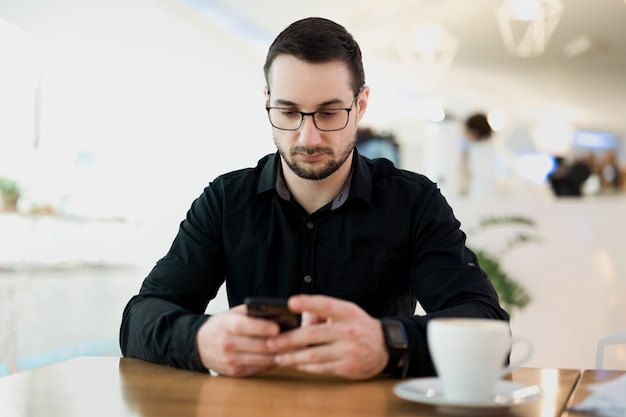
<point>397,344</point>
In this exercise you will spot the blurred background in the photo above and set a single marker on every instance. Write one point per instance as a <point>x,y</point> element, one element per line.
<point>115,114</point>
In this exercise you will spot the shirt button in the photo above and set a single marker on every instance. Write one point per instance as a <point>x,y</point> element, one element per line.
<point>310,225</point>
<point>308,279</point>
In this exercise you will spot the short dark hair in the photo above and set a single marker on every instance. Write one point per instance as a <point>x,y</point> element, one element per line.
<point>316,39</point>
<point>479,124</point>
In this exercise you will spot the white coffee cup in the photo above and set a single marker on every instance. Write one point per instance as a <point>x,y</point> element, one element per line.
<point>470,356</point>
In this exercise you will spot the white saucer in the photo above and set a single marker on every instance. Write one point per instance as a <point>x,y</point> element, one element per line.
<point>429,391</point>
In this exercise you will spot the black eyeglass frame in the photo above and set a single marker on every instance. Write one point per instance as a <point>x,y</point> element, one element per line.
<point>312,114</point>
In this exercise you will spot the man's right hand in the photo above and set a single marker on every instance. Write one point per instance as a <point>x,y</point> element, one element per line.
<point>234,344</point>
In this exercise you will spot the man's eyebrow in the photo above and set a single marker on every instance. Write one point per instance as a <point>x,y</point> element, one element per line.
<point>293,104</point>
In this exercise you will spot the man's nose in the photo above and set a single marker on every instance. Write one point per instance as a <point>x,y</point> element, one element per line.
<point>309,134</point>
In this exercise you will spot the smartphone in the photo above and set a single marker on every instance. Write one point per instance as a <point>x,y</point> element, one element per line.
<point>274,309</point>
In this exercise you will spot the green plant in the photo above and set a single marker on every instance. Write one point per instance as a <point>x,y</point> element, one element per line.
<point>512,294</point>
<point>9,187</point>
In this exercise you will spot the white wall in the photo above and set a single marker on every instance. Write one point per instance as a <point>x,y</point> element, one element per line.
<point>576,275</point>
<point>129,126</point>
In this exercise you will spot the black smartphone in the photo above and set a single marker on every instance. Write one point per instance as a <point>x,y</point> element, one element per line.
<point>274,309</point>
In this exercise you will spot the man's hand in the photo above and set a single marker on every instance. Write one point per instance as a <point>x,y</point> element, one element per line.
<point>233,344</point>
<point>339,338</point>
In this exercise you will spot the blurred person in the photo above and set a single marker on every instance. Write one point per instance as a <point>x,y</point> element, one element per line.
<point>567,180</point>
<point>479,158</point>
<point>352,243</point>
<point>610,173</point>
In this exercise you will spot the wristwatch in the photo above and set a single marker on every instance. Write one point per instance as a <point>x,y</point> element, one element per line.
<point>397,345</point>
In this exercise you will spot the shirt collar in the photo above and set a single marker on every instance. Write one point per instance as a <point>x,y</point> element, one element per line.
<point>362,178</point>
<point>267,178</point>
<point>358,184</point>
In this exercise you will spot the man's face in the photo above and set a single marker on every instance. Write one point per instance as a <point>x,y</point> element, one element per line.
<point>301,86</point>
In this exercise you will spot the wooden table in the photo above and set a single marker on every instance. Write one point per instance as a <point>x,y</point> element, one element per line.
<point>581,392</point>
<point>114,387</point>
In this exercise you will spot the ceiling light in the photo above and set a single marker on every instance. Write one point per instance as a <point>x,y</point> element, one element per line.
<point>525,9</point>
<point>578,46</point>
<point>527,25</point>
<point>429,52</point>
<point>428,38</point>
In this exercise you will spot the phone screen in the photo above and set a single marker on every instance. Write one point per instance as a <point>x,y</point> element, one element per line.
<point>274,309</point>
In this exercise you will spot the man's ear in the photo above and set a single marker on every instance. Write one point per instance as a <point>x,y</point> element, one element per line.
<point>362,99</point>
<point>266,93</point>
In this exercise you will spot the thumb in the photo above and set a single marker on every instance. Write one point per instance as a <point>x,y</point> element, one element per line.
<point>309,319</point>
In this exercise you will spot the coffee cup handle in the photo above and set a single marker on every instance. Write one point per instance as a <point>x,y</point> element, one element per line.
<point>524,358</point>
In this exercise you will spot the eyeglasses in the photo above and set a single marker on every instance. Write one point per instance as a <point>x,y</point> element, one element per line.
<point>327,120</point>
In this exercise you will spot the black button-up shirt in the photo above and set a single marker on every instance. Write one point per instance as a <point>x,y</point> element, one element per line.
<point>387,241</point>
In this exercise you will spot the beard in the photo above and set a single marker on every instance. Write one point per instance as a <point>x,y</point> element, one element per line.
<point>314,173</point>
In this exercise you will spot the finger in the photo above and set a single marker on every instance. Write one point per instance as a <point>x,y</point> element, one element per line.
<point>315,356</point>
<point>309,319</point>
<point>240,369</point>
<point>338,368</point>
<point>234,344</point>
<point>241,309</point>
<point>304,336</point>
<point>240,323</point>
<point>262,328</point>
<point>242,355</point>
<point>323,306</point>
<point>327,368</point>
<point>249,360</point>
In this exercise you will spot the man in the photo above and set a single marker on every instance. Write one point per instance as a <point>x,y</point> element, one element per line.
<point>352,242</point>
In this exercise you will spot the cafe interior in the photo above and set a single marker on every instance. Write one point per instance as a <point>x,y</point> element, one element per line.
<point>116,114</point>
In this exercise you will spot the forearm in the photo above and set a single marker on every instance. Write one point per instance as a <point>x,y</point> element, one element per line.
<point>160,331</point>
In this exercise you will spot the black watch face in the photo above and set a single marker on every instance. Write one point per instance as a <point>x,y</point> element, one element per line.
<point>396,335</point>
